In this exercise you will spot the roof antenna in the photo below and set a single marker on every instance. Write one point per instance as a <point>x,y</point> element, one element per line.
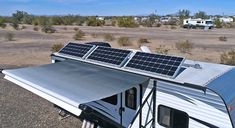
<point>145,49</point>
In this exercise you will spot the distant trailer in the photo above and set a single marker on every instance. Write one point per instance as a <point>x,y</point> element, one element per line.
<point>116,88</point>
<point>198,23</point>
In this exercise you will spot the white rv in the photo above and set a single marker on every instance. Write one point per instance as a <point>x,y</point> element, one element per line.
<point>107,87</point>
<point>198,23</point>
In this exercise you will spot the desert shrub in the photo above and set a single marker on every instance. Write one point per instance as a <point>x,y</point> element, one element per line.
<point>56,47</point>
<point>48,29</point>
<point>218,24</point>
<point>222,38</point>
<point>184,46</point>
<point>3,25</point>
<point>162,50</point>
<point>127,22</point>
<point>124,41</point>
<point>113,22</point>
<point>15,25</point>
<point>65,28</point>
<point>108,37</point>
<point>23,27</point>
<point>158,25</point>
<point>143,41</point>
<point>92,21</point>
<point>9,36</point>
<point>173,27</point>
<point>79,35</point>
<point>35,28</point>
<point>75,28</point>
<point>228,58</point>
<point>2,22</point>
<point>94,35</point>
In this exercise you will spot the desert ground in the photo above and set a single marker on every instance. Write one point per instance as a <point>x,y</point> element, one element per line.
<point>20,108</point>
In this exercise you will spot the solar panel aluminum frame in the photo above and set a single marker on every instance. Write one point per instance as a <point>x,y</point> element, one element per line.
<point>67,55</point>
<point>139,71</point>
<point>105,63</point>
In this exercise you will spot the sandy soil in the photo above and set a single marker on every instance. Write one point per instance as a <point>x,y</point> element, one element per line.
<point>20,108</point>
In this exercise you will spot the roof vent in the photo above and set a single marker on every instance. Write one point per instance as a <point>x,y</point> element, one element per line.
<point>196,66</point>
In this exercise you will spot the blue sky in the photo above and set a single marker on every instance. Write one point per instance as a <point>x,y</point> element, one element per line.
<point>115,7</point>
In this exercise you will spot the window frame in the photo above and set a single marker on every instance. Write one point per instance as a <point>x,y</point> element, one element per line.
<point>108,98</point>
<point>171,116</point>
<point>135,99</point>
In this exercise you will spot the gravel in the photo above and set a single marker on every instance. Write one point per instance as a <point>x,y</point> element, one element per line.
<point>20,108</point>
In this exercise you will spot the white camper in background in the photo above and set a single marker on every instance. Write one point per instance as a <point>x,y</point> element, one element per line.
<point>226,19</point>
<point>107,87</point>
<point>198,23</point>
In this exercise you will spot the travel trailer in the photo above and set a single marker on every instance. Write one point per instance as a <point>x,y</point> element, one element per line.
<point>109,87</point>
<point>198,23</point>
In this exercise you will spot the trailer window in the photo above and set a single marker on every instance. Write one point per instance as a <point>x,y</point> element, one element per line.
<point>209,22</point>
<point>172,118</point>
<point>198,22</point>
<point>111,99</point>
<point>130,98</point>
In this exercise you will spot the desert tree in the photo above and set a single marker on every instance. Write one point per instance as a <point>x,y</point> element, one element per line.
<point>201,14</point>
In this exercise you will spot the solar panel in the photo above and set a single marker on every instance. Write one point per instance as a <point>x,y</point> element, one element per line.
<point>109,55</point>
<point>155,63</point>
<point>74,49</point>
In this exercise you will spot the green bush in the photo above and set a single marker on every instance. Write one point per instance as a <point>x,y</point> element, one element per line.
<point>79,35</point>
<point>184,46</point>
<point>218,24</point>
<point>56,47</point>
<point>222,38</point>
<point>228,58</point>
<point>9,36</point>
<point>124,41</point>
<point>48,29</point>
<point>92,21</point>
<point>108,37</point>
<point>127,22</point>
<point>2,22</point>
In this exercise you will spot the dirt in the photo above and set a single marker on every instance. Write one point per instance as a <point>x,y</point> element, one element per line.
<point>20,108</point>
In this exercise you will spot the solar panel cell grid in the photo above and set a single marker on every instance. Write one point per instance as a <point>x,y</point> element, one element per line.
<point>160,64</point>
<point>109,55</point>
<point>78,50</point>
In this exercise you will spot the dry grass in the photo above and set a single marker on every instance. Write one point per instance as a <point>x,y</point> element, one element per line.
<point>109,37</point>
<point>56,47</point>
<point>124,41</point>
<point>222,38</point>
<point>184,46</point>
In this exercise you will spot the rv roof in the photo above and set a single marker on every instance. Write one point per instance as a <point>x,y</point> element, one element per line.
<point>203,75</point>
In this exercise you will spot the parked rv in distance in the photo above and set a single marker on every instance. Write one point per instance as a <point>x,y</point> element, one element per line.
<point>198,23</point>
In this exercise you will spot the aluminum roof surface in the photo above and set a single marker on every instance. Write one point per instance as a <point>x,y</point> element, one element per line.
<point>76,82</point>
<point>203,76</point>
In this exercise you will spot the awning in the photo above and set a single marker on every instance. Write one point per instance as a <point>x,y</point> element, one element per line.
<point>70,83</point>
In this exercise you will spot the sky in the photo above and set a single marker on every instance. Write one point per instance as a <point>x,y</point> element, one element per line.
<point>115,7</point>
